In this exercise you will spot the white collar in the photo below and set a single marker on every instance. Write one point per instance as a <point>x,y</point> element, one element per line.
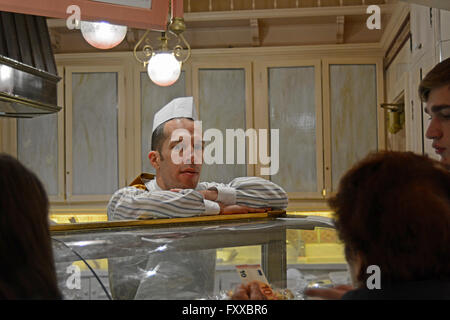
<point>152,185</point>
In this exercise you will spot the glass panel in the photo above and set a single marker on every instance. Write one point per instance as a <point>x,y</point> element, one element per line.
<point>94,136</point>
<point>37,148</point>
<point>197,261</point>
<point>77,282</point>
<point>293,113</point>
<point>153,98</point>
<point>353,102</point>
<point>315,258</point>
<point>222,106</point>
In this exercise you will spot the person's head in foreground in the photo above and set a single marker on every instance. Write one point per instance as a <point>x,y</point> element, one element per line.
<point>392,210</point>
<point>177,149</point>
<point>434,90</point>
<point>27,268</point>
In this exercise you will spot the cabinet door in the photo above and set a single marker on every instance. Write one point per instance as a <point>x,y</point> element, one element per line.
<point>445,34</point>
<point>94,132</point>
<point>445,24</point>
<point>421,30</point>
<point>223,98</point>
<point>289,101</point>
<point>397,91</point>
<point>40,144</point>
<point>352,123</point>
<point>37,149</point>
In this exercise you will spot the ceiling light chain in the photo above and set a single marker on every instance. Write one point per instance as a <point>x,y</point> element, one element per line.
<point>164,64</point>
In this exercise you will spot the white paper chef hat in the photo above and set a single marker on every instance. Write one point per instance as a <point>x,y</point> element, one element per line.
<point>183,107</point>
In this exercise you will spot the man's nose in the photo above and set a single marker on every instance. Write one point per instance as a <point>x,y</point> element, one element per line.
<point>192,155</point>
<point>434,129</point>
<point>196,156</point>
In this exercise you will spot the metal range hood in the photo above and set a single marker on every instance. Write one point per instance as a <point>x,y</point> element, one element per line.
<point>28,76</point>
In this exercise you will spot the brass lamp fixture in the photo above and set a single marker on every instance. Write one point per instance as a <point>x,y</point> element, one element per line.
<point>396,116</point>
<point>164,64</point>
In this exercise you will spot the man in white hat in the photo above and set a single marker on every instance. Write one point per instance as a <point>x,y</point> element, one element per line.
<point>175,191</point>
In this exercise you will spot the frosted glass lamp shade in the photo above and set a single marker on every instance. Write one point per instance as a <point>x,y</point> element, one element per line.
<point>164,69</point>
<point>103,35</point>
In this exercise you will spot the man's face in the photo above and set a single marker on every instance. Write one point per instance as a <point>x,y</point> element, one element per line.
<point>438,107</point>
<point>181,145</point>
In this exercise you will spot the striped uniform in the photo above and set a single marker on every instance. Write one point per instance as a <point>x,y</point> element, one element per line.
<point>134,203</point>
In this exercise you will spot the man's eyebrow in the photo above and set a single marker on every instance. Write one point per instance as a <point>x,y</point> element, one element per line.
<point>176,141</point>
<point>438,108</point>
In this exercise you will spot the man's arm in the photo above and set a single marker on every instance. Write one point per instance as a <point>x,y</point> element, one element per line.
<point>251,192</point>
<point>131,203</point>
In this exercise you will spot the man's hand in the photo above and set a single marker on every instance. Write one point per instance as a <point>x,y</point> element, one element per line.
<point>334,293</point>
<point>250,291</point>
<point>236,209</point>
<point>211,194</point>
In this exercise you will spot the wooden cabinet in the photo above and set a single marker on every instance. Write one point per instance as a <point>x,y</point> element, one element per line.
<point>290,98</point>
<point>324,108</point>
<point>444,45</point>
<point>420,118</point>
<point>430,34</point>
<point>397,91</point>
<point>327,114</point>
<point>223,95</point>
<point>94,131</point>
<point>445,24</point>
<point>422,32</point>
<point>39,145</point>
<point>353,122</point>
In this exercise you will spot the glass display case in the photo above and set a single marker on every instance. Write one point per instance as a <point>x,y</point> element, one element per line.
<point>195,258</point>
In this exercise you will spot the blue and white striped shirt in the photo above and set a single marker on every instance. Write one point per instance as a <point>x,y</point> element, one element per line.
<point>133,203</point>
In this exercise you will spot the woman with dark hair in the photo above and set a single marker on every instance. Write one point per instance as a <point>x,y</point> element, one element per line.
<point>392,212</point>
<point>27,269</point>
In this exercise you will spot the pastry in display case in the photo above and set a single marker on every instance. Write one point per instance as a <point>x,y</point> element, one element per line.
<point>190,258</point>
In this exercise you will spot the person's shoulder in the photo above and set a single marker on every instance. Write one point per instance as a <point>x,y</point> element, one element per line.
<point>136,189</point>
<point>137,186</point>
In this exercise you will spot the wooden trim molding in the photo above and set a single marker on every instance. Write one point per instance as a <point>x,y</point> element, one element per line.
<point>282,13</point>
<point>168,221</point>
<point>153,18</point>
<point>401,37</point>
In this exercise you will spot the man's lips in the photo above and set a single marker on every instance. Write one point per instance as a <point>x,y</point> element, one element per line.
<point>189,171</point>
<point>438,149</point>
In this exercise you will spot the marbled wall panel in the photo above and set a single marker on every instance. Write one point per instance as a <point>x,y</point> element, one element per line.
<point>222,106</point>
<point>95,133</point>
<point>293,113</point>
<point>353,103</point>
<point>153,98</point>
<point>37,148</point>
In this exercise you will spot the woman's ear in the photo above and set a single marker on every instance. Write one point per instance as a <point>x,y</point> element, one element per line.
<point>154,158</point>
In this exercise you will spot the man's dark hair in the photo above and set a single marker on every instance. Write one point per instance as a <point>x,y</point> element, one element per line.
<point>158,136</point>
<point>393,209</point>
<point>439,76</point>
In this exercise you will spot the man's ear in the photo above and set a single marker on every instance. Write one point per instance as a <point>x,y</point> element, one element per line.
<point>155,159</point>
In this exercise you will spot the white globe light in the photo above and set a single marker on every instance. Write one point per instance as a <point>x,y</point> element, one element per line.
<point>164,69</point>
<point>103,35</point>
